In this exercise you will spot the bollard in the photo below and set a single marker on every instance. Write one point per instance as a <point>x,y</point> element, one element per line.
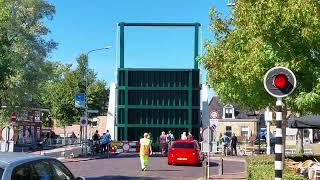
<point>204,169</point>
<point>221,167</point>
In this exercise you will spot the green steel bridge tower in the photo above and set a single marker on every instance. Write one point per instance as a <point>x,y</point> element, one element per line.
<point>155,100</point>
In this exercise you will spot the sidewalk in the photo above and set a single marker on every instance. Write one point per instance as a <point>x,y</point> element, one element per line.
<point>68,151</point>
<point>234,167</point>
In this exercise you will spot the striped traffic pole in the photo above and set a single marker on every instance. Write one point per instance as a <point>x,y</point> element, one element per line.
<point>278,165</point>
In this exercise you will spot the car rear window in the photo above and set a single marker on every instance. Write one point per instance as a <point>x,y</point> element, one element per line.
<point>183,145</point>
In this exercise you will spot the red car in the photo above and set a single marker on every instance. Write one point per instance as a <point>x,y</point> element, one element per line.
<point>185,152</point>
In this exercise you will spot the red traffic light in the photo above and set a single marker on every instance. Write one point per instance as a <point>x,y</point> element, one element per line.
<point>280,81</point>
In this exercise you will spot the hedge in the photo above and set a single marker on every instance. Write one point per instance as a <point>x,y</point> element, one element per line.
<point>262,168</point>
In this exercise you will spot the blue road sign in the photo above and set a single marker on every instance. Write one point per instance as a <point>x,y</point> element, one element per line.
<point>79,100</point>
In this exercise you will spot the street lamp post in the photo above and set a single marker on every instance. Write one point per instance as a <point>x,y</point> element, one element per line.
<point>86,90</point>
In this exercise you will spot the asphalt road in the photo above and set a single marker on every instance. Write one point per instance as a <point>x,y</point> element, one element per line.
<point>128,167</point>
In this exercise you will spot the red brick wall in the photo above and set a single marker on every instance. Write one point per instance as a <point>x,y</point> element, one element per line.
<point>101,127</point>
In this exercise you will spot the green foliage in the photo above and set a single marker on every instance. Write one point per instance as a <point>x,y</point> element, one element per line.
<point>260,35</point>
<point>4,117</point>
<point>262,168</point>
<point>23,68</point>
<point>58,94</point>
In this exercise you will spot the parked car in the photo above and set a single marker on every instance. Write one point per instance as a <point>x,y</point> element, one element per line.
<point>23,166</point>
<point>185,152</point>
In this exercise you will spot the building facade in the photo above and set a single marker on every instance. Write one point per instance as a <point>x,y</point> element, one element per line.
<point>231,120</point>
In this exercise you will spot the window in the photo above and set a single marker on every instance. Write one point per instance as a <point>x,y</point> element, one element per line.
<point>183,145</point>
<point>228,131</point>
<point>61,172</point>
<point>228,112</point>
<point>42,171</point>
<point>245,132</point>
<point>21,172</point>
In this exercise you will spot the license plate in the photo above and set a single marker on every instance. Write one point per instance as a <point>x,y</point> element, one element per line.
<point>182,159</point>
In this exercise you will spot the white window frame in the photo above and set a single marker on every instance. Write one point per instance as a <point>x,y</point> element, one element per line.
<point>229,132</point>
<point>244,129</point>
<point>226,109</point>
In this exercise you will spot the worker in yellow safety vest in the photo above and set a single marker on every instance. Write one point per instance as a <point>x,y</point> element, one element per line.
<point>145,151</point>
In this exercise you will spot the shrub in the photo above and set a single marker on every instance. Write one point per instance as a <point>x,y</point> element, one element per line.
<point>262,168</point>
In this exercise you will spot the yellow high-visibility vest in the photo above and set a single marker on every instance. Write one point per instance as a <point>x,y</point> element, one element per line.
<point>145,146</point>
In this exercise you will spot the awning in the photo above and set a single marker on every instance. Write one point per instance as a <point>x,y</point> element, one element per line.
<point>310,121</point>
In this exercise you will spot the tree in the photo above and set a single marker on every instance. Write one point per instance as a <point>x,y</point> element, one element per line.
<point>59,93</point>
<point>23,51</point>
<point>259,35</point>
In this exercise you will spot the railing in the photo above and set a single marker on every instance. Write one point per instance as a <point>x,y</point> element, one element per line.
<point>60,141</point>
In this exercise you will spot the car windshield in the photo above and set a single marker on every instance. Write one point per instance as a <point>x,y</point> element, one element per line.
<point>182,145</point>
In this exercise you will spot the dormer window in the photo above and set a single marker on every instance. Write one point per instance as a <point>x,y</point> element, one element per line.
<point>228,112</point>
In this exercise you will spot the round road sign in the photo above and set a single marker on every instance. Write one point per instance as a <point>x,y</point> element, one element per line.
<point>83,121</point>
<point>7,133</point>
<point>279,82</point>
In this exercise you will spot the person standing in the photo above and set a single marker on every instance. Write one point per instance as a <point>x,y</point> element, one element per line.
<point>225,142</point>
<point>145,151</point>
<point>184,136</point>
<point>109,141</point>
<point>170,138</point>
<point>96,141</point>
<point>163,143</point>
<point>104,141</point>
<point>189,137</point>
<point>234,142</point>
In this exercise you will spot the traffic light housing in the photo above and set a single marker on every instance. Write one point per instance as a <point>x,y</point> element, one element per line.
<point>279,82</point>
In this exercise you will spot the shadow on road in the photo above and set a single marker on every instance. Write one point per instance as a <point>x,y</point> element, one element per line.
<point>163,170</point>
<point>122,178</point>
<point>212,164</point>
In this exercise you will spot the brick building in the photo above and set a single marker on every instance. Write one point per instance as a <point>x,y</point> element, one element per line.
<point>100,126</point>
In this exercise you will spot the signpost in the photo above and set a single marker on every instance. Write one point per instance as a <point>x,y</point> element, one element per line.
<point>208,136</point>
<point>279,82</point>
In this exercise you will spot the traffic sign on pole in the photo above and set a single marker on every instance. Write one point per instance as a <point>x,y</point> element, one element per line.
<point>83,122</point>
<point>279,82</point>
<point>14,116</point>
<point>79,100</point>
<point>7,133</point>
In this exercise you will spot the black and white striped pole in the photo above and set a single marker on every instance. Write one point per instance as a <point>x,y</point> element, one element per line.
<point>278,164</point>
<point>279,82</point>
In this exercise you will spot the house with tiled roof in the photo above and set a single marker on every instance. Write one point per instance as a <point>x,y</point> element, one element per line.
<point>230,119</point>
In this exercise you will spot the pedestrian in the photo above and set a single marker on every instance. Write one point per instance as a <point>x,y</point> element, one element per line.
<point>145,151</point>
<point>104,141</point>
<point>225,142</point>
<point>95,141</point>
<point>170,139</point>
<point>189,137</point>
<point>163,143</point>
<point>109,141</point>
<point>234,142</point>
<point>184,136</point>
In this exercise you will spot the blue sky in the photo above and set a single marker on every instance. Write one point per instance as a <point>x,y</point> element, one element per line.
<point>82,25</point>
